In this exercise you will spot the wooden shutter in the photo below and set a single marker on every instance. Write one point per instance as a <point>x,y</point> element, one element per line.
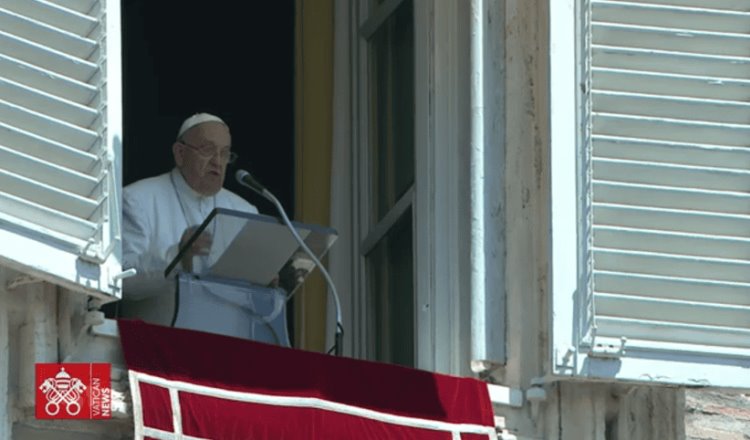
<point>60,130</point>
<point>650,191</point>
<point>670,137</point>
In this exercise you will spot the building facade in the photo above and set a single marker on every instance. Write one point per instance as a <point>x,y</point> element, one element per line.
<point>549,195</point>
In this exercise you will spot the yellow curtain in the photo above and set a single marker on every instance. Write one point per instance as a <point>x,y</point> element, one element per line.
<point>313,139</point>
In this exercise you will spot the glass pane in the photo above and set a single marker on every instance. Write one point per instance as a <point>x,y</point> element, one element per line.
<point>374,5</point>
<point>392,109</point>
<point>391,297</point>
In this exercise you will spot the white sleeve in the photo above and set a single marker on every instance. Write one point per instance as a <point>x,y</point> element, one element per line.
<point>139,253</point>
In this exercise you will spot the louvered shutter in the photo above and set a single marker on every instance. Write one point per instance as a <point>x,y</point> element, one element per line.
<point>60,141</point>
<point>664,160</point>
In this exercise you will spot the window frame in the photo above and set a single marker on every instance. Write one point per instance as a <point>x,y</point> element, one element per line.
<point>439,204</point>
<point>371,18</point>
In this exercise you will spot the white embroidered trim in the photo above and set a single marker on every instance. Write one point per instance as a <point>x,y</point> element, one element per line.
<point>289,401</point>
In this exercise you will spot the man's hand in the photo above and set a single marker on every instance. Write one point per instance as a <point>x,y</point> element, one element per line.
<point>201,246</point>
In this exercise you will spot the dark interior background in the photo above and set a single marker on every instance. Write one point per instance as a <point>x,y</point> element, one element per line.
<point>229,58</point>
<point>233,59</point>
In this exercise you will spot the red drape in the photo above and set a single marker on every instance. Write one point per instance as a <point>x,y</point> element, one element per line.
<point>230,388</point>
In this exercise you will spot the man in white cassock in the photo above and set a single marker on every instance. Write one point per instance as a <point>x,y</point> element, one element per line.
<point>161,213</point>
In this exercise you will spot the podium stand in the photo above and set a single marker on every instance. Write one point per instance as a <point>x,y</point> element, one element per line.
<point>241,287</point>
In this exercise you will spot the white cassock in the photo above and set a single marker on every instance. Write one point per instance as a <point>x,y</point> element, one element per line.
<point>156,212</point>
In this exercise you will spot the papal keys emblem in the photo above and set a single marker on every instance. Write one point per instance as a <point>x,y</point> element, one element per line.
<point>62,390</point>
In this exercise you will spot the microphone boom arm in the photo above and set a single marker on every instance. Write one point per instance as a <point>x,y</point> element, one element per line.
<point>253,184</point>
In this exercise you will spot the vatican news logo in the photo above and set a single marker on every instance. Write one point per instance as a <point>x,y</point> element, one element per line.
<point>73,391</point>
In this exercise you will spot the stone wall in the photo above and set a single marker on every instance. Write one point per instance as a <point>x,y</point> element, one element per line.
<point>40,322</point>
<point>717,416</point>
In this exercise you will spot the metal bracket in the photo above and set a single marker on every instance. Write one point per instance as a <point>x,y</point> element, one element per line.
<point>608,350</point>
<point>536,395</point>
<point>89,253</point>
<point>124,274</point>
<point>107,328</point>
<point>564,358</point>
<point>120,276</point>
<point>505,396</point>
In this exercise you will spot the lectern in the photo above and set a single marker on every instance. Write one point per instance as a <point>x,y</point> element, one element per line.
<point>242,286</point>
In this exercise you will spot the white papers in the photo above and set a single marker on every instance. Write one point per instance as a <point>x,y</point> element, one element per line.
<point>258,252</point>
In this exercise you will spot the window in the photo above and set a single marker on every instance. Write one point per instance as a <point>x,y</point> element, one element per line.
<point>650,190</point>
<point>402,124</point>
<point>60,107</point>
<point>388,245</point>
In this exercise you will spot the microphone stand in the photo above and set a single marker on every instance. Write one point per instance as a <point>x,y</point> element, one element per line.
<point>339,335</point>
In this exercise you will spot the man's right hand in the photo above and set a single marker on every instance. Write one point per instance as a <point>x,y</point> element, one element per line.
<point>201,246</point>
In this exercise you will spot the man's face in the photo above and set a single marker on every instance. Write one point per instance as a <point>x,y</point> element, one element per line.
<point>202,155</point>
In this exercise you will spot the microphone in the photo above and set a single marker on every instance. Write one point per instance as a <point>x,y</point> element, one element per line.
<point>246,179</point>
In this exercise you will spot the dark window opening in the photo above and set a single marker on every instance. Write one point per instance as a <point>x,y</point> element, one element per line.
<point>224,57</point>
<point>181,57</point>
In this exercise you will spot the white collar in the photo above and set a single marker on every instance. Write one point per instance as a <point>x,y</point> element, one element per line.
<point>182,186</point>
